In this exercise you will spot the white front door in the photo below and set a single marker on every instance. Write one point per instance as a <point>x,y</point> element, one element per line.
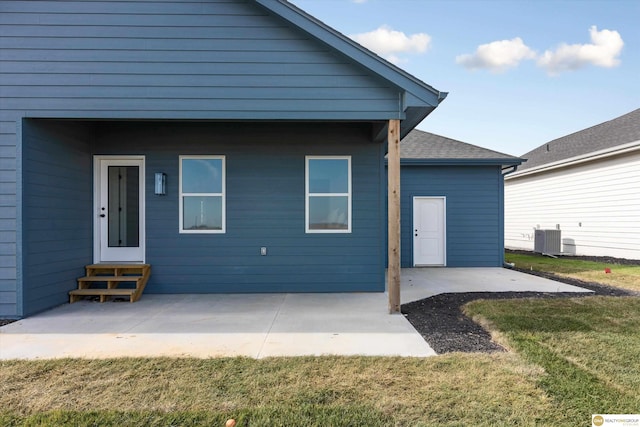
<point>429,226</point>
<point>119,209</point>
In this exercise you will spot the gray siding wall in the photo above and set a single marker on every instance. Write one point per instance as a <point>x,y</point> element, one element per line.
<point>56,211</point>
<point>221,59</point>
<point>265,207</point>
<point>475,212</point>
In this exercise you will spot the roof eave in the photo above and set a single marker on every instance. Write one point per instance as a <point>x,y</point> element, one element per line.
<point>466,162</point>
<point>413,116</point>
<point>572,161</point>
<point>327,35</point>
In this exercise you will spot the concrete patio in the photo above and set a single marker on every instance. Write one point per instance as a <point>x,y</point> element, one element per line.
<point>252,325</point>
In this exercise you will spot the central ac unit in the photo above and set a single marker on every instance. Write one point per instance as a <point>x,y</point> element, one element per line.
<point>548,242</point>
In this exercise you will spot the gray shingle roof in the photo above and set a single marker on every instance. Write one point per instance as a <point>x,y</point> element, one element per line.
<point>424,145</point>
<point>618,131</point>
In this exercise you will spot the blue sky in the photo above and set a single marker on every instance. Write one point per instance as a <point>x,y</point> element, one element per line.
<point>518,73</point>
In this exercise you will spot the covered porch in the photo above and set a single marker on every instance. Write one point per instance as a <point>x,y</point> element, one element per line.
<point>259,241</point>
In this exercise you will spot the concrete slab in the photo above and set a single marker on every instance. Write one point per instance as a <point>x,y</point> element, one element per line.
<point>252,325</point>
<point>353,326</point>
<point>419,283</point>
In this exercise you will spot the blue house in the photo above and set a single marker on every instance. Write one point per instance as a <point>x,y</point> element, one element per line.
<point>452,202</point>
<point>234,146</point>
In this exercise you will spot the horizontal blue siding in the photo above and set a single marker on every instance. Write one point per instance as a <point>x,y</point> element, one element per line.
<point>165,59</point>
<point>173,59</point>
<point>265,207</point>
<point>8,215</point>
<point>474,212</point>
<point>57,211</point>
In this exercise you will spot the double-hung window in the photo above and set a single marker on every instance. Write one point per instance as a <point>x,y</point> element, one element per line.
<point>202,194</point>
<point>328,194</point>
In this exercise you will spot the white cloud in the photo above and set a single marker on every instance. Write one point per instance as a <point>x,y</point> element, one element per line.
<point>603,51</point>
<point>387,42</point>
<point>497,56</point>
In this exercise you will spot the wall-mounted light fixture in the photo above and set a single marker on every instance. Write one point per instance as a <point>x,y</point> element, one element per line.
<point>161,184</point>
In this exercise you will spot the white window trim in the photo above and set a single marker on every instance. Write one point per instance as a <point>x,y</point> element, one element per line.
<point>307,195</point>
<point>222,194</point>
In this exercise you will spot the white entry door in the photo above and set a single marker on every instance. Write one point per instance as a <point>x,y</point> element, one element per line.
<point>119,209</point>
<point>429,231</point>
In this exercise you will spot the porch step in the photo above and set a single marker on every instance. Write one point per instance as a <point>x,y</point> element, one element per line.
<point>76,294</point>
<point>112,275</point>
<point>117,269</point>
<point>109,279</point>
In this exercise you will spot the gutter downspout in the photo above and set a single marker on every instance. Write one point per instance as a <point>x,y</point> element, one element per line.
<point>513,169</point>
<point>508,169</point>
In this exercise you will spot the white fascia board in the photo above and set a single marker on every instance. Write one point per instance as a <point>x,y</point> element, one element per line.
<point>594,155</point>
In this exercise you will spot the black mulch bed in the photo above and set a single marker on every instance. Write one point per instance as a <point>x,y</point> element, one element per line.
<point>440,321</point>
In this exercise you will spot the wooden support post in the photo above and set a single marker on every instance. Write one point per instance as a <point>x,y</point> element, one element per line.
<point>393,201</point>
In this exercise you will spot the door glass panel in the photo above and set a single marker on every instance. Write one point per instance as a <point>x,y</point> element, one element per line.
<point>124,206</point>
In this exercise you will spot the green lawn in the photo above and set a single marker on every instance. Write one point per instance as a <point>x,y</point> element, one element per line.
<point>570,358</point>
<point>589,349</point>
<point>622,276</point>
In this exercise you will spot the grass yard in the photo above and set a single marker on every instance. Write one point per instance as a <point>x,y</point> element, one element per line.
<point>476,389</point>
<point>589,349</point>
<point>622,276</point>
<point>571,358</point>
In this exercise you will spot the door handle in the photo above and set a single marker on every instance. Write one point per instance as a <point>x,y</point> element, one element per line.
<point>102,215</point>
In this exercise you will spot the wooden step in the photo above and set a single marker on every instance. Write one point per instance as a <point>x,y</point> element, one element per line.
<point>112,282</point>
<point>117,269</point>
<point>102,293</point>
<point>109,278</point>
<point>123,266</point>
<point>113,275</point>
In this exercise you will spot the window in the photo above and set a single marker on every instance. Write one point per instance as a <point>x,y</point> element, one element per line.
<point>202,194</point>
<point>328,194</point>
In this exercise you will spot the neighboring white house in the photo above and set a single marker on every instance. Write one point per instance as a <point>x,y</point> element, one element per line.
<point>586,184</point>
